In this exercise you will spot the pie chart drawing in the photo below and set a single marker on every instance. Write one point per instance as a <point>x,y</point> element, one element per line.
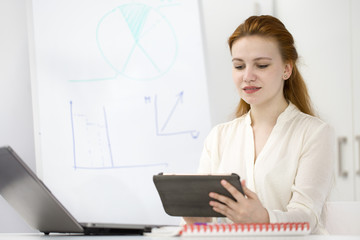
<point>137,41</point>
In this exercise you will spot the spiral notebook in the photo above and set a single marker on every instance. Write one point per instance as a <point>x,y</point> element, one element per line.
<point>251,229</point>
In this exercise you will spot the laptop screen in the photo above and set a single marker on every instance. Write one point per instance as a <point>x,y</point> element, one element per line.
<point>29,196</point>
<point>25,192</point>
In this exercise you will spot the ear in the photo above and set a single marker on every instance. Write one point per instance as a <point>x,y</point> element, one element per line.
<point>287,70</point>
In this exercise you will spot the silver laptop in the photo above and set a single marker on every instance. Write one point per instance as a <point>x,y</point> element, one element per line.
<point>29,196</point>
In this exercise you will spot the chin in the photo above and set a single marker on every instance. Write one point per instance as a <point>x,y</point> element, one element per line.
<point>251,101</point>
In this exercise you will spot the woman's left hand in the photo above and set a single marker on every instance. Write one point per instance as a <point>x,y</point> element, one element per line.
<point>244,210</point>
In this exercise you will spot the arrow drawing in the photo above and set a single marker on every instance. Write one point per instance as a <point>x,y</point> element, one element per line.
<point>162,131</point>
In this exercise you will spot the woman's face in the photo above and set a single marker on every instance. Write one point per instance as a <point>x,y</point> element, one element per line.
<point>259,71</point>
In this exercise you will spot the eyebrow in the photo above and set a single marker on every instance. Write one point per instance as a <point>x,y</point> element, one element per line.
<point>256,59</point>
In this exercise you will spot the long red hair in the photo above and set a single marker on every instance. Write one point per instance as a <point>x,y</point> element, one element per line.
<point>295,89</point>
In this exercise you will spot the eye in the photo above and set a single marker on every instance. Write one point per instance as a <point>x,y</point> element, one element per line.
<point>239,67</point>
<point>262,66</point>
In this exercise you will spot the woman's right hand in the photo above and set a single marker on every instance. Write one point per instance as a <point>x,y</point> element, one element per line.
<point>192,220</point>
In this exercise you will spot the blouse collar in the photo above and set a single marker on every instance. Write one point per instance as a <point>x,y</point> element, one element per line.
<point>290,111</point>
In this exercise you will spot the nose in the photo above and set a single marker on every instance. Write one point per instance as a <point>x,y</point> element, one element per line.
<point>249,75</point>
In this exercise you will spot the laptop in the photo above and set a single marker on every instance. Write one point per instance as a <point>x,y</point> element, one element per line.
<point>29,196</point>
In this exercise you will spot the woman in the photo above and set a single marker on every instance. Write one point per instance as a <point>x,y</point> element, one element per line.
<point>276,143</point>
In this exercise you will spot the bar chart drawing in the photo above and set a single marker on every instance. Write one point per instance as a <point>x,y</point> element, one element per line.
<point>91,143</point>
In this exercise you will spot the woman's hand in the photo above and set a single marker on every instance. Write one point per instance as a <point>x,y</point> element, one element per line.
<point>192,220</point>
<point>244,210</point>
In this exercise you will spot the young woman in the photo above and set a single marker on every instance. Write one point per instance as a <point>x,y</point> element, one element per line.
<point>276,144</point>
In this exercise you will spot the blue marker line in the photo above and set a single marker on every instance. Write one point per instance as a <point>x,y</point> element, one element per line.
<point>128,166</point>
<point>150,59</point>
<point>194,133</point>
<point>108,137</point>
<point>156,116</point>
<point>73,132</point>
<point>128,57</point>
<point>173,110</point>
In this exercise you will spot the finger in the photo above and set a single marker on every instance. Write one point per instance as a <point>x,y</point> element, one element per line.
<point>232,190</point>
<point>220,208</point>
<point>248,192</point>
<point>223,209</point>
<point>221,198</point>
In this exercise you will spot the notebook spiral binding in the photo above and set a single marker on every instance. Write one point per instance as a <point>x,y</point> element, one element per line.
<point>246,229</point>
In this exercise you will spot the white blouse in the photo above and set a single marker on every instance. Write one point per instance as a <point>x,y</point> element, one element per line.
<point>293,174</point>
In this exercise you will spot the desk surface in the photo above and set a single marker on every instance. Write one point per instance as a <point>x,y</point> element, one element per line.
<point>8,236</point>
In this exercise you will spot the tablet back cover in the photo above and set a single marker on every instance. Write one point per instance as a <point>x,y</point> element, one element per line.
<point>188,195</point>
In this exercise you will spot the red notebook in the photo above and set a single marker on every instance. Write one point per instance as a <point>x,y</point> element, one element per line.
<point>252,229</point>
<point>245,229</point>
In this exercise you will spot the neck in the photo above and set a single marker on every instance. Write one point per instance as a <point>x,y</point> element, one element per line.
<point>267,113</point>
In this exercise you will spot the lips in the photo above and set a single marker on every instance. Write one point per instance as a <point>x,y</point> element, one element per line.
<point>251,89</point>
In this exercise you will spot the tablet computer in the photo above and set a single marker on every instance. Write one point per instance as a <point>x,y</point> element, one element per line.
<point>188,195</point>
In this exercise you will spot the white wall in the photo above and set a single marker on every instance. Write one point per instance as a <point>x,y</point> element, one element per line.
<point>16,125</point>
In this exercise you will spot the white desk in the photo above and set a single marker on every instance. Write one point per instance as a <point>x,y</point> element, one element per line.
<point>15,236</point>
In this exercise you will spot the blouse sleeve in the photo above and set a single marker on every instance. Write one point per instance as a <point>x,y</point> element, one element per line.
<point>313,182</point>
<point>209,159</point>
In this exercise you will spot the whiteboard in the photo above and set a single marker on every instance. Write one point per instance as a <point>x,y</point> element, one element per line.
<point>120,94</point>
